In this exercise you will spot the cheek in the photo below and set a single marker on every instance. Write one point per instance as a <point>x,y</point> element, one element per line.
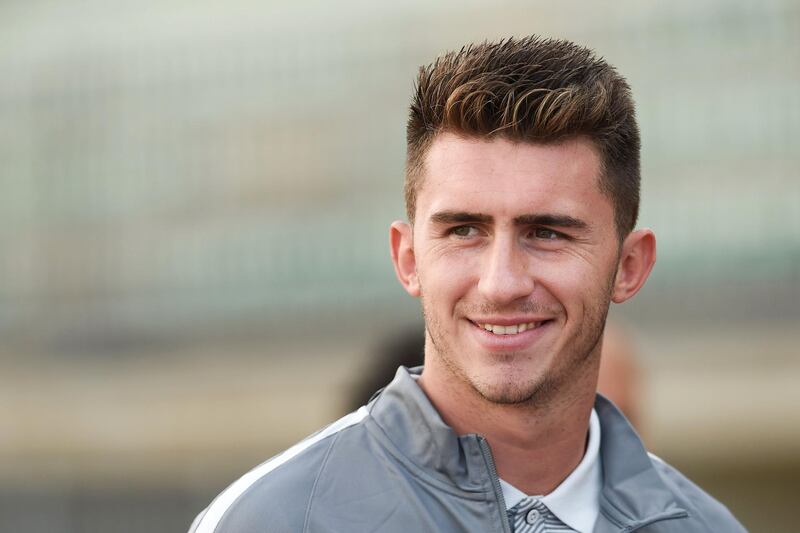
<point>447,273</point>
<point>573,283</point>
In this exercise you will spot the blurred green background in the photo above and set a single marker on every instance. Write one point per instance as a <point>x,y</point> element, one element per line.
<point>194,211</point>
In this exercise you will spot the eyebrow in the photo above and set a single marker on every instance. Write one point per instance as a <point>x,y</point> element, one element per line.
<point>560,221</point>
<point>544,219</point>
<point>453,217</point>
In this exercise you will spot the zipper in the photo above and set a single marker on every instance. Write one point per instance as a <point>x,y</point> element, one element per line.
<point>498,491</point>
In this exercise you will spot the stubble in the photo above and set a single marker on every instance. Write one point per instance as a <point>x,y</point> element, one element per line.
<point>567,362</point>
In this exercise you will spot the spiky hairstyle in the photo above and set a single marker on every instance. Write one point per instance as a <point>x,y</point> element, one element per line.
<point>529,90</point>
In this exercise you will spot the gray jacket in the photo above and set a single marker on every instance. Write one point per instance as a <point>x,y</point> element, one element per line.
<point>395,466</point>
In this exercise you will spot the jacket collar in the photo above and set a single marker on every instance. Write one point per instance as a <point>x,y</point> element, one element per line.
<point>633,492</point>
<point>412,425</point>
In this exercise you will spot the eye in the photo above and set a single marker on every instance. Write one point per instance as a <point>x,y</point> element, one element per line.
<point>546,234</point>
<point>464,231</point>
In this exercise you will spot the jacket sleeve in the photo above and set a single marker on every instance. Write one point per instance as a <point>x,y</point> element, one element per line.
<point>274,502</point>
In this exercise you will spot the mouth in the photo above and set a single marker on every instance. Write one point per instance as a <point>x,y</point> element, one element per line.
<point>510,329</point>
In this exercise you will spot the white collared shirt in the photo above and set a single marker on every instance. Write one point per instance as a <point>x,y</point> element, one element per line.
<point>576,501</point>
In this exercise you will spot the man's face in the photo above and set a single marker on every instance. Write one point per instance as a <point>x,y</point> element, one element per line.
<point>514,256</point>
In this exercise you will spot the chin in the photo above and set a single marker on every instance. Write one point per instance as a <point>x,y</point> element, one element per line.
<point>513,393</point>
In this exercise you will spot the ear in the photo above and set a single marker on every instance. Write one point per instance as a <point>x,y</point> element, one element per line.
<point>636,260</point>
<point>405,264</point>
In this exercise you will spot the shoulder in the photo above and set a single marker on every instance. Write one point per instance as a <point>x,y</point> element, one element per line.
<point>274,496</point>
<point>702,507</point>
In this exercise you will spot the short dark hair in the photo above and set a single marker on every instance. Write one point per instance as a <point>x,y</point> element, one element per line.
<point>531,90</point>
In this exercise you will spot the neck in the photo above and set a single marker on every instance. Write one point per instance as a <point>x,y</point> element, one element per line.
<point>535,445</point>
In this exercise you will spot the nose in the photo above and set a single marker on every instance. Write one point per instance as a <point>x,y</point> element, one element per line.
<point>505,275</point>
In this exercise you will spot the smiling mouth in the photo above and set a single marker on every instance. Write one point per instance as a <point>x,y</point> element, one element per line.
<point>513,329</point>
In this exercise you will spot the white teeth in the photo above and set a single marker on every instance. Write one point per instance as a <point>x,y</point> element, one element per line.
<point>509,330</point>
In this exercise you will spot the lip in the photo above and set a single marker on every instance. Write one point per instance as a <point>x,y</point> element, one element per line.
<point>504,343</point>
<point>508,321</point>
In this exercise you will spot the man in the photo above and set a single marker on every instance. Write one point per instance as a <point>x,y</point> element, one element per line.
<point>522,191</point>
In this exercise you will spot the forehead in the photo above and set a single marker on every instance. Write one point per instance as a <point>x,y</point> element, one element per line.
<point>512,178</point>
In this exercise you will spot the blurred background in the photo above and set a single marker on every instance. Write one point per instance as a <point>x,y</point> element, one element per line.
<point>194,210</point>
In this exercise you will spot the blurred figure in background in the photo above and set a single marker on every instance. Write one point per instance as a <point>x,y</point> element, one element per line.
<point>620,378</point>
